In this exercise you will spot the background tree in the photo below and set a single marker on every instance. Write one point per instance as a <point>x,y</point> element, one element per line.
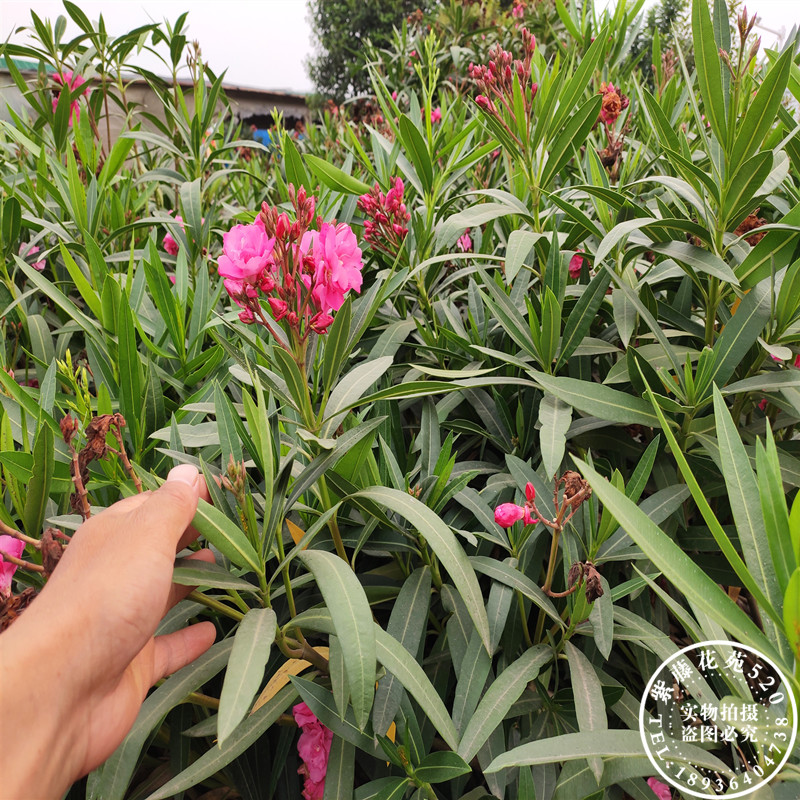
<point>341,29</point>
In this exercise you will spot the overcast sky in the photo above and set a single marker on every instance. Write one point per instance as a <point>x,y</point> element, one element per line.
<point>263,43</point>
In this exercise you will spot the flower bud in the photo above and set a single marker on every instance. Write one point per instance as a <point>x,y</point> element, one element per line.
<point>278,308</point>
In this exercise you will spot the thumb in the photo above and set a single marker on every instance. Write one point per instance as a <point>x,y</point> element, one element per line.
<point>169,510</point>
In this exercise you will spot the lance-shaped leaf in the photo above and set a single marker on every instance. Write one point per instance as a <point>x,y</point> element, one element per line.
<point>444,543</point>
<point>227,537</point>
<point>407,624</point>
<point>499,698</point>
<point>215,759</point>
<point>590,708</point>
<point>598,400</point>
<point>352,620</point>
<point>677,566</point>
<point>249,656</point>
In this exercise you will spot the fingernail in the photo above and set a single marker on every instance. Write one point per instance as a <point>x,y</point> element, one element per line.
<point>185,473</point>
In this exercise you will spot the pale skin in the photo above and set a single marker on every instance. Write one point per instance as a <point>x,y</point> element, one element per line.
<point>77,664</point>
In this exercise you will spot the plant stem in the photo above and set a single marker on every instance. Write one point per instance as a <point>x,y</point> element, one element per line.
<point>523,618</point>
<point>210,602</point>
<point>333,525</point>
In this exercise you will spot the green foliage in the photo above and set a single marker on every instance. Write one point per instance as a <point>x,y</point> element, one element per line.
<point>617,295</point>
<point>343,30</point>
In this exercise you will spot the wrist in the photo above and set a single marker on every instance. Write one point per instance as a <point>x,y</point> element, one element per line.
<point>35,720</point>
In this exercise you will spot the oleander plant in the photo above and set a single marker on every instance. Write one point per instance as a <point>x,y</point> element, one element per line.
<point>493,376</point>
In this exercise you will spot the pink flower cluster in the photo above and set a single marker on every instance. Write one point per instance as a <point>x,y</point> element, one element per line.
<point>72,82</point>
<point>385,226</point>
<point>495,80</point>
<point>436,114</point>
<point>314,747</point>
<point>304,274</point>
<point>661,790</point>
<point>12,547</point>
<point>518,11</point>
<point>506,514</point>
<point>464,243</point>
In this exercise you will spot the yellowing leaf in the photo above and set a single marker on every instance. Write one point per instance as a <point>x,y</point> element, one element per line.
<point>297,532</point>
<point>294,666</point>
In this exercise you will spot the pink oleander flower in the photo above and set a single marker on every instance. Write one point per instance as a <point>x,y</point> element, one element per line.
<point>464,243</point>
<point>661,790</point>
<point>763,404</point>
<point>296,274</point>
<point>72,82</point>
<point>13,547</point>
<point>518,11</point>
<point>436,115</point>
<point>314,747</point>
<point>246,252</point>
<point>394,95</point>
<point>337,265</point>
<point>170,245</point>
<point>507,514</point>
<point>576,264</point>
<point>797,360</point>
<point>27,250</point>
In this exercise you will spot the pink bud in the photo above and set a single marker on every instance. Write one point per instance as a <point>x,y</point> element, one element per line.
<point>278,307</point>
<point>320,322</point>
<point>530,492</point>
<point>283,226</point>
<point>291,318</point>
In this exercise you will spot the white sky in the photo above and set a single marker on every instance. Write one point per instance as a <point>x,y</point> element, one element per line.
<point>264,43</point>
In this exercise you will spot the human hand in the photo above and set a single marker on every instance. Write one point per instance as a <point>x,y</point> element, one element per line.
<point>76,666</point>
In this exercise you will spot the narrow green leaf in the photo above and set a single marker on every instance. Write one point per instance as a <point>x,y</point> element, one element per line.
<point>407,624</point>
<point>582,316</point>
<point>117,772</point>
<point>773,506</point>
<point>677,566</point>
<point>37,491</point>
<point>444,543</point>
<point>555,417</point>
<point>587,691</point>
<point>762,109</point>
<point>190,572</point>
<point>416,151</point>
<point>441,767</point>
<point>352,619</point>
<point>743,495</point>
<point>738,336</point>
<point>227,537</point>
<point>499,697</point>
<point>708,68</point>
<point>598,400</point>
<point>334,178</point>
<point>216,758</point>
<point>340,773</point>
<point>350,388</point>
<point>249,656</point>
